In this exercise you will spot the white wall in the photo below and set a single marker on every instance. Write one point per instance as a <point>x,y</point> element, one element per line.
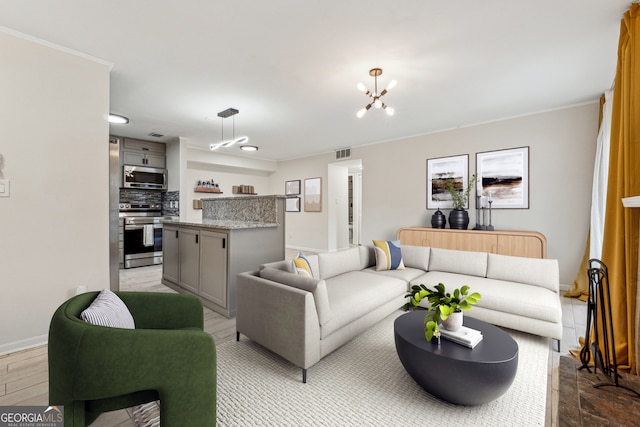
<point>54,229</point>
<point>562,149</point>
<point>305,230</point>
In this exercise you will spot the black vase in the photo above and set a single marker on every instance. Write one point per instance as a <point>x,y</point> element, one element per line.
<point>438,220</point>
<point>459,219</point>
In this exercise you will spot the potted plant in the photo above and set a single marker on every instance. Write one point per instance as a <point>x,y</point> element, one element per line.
<point>443,305</point>
<point>459,217</point>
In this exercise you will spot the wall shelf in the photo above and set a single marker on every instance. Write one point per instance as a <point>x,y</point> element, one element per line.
<point>207,190</point>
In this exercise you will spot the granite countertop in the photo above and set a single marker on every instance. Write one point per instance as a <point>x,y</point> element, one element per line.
<point>220,223</point>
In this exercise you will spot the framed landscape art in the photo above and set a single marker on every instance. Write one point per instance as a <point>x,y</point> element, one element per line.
<point>503,177</point>
<point>440,170</point>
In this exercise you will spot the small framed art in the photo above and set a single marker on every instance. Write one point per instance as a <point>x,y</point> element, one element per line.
<point>292,204</point>
<point>313,195</point>
<point>292,188</point>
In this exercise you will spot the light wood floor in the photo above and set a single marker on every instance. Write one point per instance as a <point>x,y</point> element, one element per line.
<point>24,376</point>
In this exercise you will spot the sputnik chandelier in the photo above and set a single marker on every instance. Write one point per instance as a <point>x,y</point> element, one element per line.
<point>229,112</point>
<point>375,95</point>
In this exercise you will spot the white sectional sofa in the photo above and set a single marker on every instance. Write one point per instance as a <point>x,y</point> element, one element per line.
<point>305,318</point>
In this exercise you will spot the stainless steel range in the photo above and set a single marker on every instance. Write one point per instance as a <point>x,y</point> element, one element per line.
<point>142,240</point>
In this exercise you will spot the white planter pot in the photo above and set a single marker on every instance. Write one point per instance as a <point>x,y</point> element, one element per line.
<point>453,322</point>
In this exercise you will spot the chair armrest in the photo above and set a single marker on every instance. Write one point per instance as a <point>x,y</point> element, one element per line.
<point>281,318</point>
<point>113,361</point>
<point>161,310</point>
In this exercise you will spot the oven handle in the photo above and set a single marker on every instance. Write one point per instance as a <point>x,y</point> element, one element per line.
<point>140,227</point>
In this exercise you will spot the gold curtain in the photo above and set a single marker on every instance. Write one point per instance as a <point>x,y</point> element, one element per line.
<point>580,286</point>
<point>620,246</point>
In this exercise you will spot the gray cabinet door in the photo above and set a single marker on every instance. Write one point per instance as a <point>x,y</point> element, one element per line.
<point>170,253</point>
<point>213,267</point>
<point>155,161</point>
<point>189,259</point>
<point>133,158</point>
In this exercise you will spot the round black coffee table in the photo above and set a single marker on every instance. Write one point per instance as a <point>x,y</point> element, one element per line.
<point>451,371</point>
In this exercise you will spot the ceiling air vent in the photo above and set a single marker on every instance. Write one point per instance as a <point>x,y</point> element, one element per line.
<point>155,135</point>
<point>343,153</point>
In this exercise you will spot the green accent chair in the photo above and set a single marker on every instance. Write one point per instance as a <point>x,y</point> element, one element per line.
<point>168,357</point>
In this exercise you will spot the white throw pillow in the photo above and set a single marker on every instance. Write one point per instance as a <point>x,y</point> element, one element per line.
<point>108,310</point>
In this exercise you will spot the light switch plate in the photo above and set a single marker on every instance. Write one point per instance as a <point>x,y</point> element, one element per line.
<point>4,188</point>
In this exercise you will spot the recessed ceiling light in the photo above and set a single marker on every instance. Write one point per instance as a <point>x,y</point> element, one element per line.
<point>249,148</point>
<point>117,119</point>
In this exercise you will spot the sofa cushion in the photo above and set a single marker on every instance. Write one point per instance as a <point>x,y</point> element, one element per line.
<point>316,286</point>
<point>334,263</point>
<point>461,262</point>
<point>356,293</point>
<point>498,295</point>
<point>388,255</point>
<point>108,310</point>
<point>532,271</point>
<point>303,267</point>
<point>416,256</point>
<point>367,257</point>
<point>406,275</point>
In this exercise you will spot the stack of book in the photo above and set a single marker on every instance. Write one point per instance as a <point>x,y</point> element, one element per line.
<point>463,336</point>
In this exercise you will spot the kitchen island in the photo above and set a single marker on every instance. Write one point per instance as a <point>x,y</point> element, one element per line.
<point>236,234</point>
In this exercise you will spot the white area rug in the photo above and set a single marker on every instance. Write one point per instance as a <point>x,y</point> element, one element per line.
<point>364,384</point>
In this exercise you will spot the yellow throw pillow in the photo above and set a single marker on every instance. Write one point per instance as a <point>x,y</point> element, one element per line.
<point>388,255</point>
<point>303,268</point>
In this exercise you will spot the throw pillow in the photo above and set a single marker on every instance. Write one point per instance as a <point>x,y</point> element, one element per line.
<point>388,255</point>
<point>303,267</point>
<point>108,310</point>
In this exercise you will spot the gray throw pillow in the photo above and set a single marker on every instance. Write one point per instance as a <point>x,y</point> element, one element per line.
<point>108,310</point>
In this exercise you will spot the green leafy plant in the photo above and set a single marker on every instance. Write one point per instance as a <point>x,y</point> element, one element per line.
<point>442,304</point>
<point>460,197</point>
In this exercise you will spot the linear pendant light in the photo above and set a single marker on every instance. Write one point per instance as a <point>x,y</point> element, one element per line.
<point>229,112</point>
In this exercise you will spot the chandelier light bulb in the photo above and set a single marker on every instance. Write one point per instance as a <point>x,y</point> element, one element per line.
<point>390,111</point>
<point>392,84</point>
<point>361,87</point>
<point>377,103</point>
<point>361,113</point>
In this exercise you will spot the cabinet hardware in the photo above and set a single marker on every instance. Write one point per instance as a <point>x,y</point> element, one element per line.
<point>224,243</point>
<point>145,148</point>
<point>197,238</point>
<point>176,234</point>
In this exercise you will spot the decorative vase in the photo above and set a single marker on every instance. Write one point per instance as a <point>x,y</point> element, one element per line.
<point>459,219</point>
<point>438,220</point>
<point>453,322</point>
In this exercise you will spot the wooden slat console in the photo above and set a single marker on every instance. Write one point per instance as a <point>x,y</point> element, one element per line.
<point>530,244</point>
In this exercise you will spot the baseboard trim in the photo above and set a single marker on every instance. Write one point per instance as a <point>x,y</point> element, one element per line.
<point>25,344</point>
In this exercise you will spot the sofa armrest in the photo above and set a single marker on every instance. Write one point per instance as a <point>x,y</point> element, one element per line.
<point>317,287</point>
<point>279,317</point>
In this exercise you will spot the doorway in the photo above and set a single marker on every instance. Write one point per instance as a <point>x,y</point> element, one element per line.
<point>345,208</point>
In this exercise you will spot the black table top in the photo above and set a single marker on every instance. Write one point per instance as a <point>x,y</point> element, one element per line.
<point>496,345</point>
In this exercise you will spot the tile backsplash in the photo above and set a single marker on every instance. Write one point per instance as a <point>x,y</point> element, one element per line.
<point>171,203</point>
<point>169,200</point>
